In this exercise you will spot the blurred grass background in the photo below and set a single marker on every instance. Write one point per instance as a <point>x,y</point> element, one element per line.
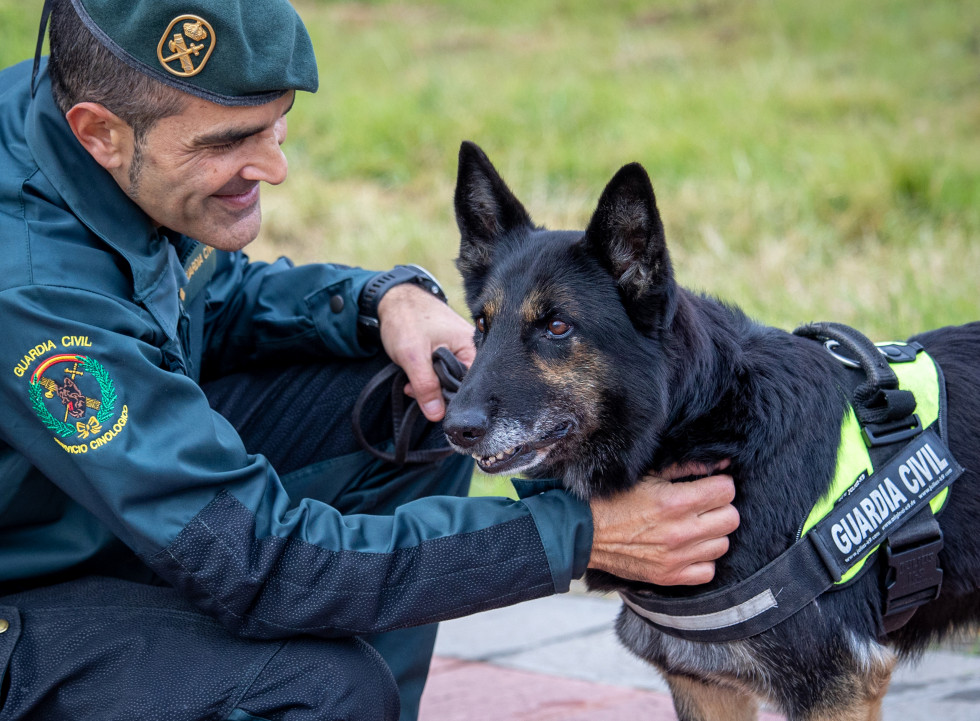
<point>812,160</point>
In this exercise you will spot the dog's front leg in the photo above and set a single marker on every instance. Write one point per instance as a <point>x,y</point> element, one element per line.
<point>854,697</point>
<point>696,700</point>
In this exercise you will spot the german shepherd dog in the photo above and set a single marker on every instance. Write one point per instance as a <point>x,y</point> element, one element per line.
<point>594,365</point>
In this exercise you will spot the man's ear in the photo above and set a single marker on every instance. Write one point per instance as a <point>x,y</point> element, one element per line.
<point>486,211</point>
<point>106,136</point>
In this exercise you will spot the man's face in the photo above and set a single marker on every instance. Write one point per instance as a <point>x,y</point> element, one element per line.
<point>198,172</point>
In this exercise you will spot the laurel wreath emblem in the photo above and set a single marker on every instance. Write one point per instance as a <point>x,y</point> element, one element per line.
<point>106,389</point>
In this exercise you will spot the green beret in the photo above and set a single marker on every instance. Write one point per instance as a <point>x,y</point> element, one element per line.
<point>232,52</point>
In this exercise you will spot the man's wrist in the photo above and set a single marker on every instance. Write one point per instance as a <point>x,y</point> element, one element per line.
<point>368,322</point>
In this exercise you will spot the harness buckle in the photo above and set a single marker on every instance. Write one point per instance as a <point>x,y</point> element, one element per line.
<point>883,434</point>
<point>912,578</point>
<point>900,352</point>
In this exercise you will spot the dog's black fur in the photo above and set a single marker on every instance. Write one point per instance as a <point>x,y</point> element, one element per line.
<point>593,365</point>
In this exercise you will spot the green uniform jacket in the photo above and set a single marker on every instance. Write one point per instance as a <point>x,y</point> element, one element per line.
<point>106,436</point>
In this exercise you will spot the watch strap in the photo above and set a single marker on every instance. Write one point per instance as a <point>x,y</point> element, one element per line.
<point>375,289</point>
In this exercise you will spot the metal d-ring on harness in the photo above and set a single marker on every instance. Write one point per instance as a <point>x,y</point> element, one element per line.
<point>405,412</point>
<point>891,507</point>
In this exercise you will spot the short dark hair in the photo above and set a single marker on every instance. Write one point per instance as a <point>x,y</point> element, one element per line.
<point>82,70</point>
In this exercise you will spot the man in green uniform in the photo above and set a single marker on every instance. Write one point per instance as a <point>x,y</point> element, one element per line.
<point>188,529</point>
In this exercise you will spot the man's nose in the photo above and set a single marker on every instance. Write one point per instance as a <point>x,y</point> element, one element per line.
<point>269,164</point>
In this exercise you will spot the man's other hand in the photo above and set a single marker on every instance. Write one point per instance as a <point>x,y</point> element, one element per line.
<point>665,533</point>
<point>413,324</point>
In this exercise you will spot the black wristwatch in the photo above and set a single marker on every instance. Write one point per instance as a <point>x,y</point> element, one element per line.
<point>367,304</point>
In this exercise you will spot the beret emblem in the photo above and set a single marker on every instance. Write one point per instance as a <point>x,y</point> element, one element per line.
<point>186,45</point>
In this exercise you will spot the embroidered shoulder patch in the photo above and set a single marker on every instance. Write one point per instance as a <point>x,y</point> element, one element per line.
<point>75,398</point>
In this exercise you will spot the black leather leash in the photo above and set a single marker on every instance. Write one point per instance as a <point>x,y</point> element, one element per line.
<point>405,411</point>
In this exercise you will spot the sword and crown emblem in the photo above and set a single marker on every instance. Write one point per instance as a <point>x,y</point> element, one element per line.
<point>81,378</point>
<point>186,45</point>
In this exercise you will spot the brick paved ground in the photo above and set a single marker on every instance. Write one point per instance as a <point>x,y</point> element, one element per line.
<point>557,659</point>
<point>471,691</point>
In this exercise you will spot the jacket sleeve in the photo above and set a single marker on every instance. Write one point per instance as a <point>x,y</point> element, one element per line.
<point>258,310</point>
<point>172,479</point>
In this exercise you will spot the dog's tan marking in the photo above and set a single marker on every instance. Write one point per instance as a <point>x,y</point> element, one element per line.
<point>856,696</point>
<point>539,302</point>
<point>493,305</point>
<point>859,695</point>
<point>533,306</point>
<point>699,701</point>
<point>573,379</point>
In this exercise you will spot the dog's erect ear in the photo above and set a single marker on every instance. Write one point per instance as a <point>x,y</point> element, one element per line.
<point>627,236</point>
<point>486,210</point>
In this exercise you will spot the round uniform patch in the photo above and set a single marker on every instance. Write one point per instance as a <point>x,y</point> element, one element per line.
<point>183,43</point>
<point>75,399</point>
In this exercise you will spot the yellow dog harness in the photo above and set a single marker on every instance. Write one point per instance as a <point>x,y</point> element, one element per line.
<point>892,463</point>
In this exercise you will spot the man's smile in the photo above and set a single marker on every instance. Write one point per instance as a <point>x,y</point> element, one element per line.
<point>239,195</point>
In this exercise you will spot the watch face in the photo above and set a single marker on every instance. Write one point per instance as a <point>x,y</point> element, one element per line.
<point>427,281</point>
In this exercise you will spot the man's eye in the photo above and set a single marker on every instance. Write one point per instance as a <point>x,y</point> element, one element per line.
<point>225,147</point>
<point>558,328</point>
<point>481,324</point>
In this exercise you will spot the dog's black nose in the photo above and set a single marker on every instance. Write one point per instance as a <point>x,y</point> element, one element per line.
<point>465,428</point>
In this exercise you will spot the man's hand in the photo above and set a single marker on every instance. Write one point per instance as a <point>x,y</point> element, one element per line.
<point>413,324</point>
<point>665,533</point>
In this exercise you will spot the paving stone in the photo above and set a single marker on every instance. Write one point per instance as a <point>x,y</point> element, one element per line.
<point>468,691</point>
<point>526,626</point>
<point>559,656</point>
<point>943,685</point>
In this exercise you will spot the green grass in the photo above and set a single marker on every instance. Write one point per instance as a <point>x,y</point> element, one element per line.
<point>812,160</point>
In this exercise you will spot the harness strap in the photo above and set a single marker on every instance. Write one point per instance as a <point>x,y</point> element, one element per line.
<point>405,413</point>
<point>818,560</point>
<point>745,609</point>
<point>912,572</point>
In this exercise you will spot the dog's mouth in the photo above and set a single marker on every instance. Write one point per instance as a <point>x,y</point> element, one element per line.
<point>523,455</point>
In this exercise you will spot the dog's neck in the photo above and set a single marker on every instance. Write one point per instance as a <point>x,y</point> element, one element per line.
<point>704,344</point>
<point>719,362</point>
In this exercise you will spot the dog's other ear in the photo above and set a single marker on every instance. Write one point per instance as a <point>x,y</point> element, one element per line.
<point>627,236</point>
<point>486,210</point>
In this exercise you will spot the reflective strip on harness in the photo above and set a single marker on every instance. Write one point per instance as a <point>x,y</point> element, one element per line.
<point>741,613</point>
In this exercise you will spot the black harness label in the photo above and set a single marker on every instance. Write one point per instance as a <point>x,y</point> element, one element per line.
<point>884,501</point>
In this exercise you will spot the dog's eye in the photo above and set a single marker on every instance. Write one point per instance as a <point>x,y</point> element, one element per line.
<point>558,328</point>
<point>481,324</point>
